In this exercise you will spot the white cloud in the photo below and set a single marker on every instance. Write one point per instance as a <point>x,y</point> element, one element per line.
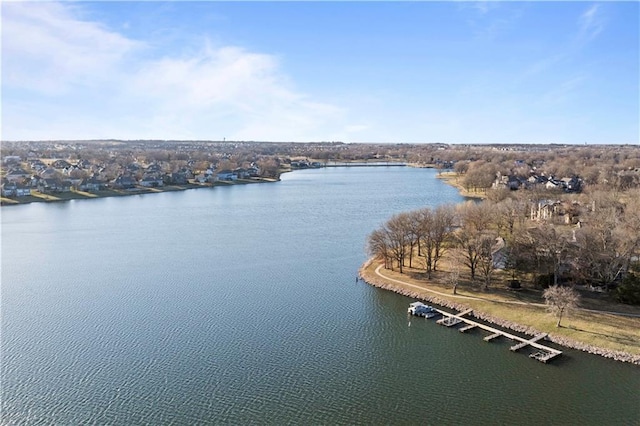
<point>45,49</point>
<point>78,79</point>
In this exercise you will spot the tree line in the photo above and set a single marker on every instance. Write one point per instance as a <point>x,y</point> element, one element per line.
<point>590,240</point>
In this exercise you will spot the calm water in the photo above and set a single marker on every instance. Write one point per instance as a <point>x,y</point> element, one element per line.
<point>239,305</point>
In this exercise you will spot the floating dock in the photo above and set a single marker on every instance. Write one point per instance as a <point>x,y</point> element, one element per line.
<point>543,353</point>
<point>449,321</point>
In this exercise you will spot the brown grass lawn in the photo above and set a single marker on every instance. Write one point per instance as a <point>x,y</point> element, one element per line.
<point>599,329</point>
<point>454,180</point>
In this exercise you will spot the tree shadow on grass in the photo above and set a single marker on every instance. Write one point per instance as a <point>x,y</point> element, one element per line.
<point>627,340</point>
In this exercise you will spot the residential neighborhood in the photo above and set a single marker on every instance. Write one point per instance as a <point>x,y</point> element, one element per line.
<point>63,169</point>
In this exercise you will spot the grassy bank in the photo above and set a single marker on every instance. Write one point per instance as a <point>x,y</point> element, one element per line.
<point>455,180</point>
<point>595,330</point>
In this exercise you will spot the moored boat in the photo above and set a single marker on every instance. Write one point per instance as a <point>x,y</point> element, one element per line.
<point>421,310</point>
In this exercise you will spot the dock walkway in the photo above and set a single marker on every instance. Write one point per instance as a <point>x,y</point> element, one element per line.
<point>543,353</point>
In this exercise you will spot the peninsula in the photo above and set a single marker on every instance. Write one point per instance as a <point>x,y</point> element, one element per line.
<point>529,235</point>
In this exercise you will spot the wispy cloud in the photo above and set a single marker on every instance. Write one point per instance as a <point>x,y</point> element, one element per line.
<point>564,91</point>
<point>45,49</point>
<point>74,77</point>
<point>591,23</point>
<point>484,7</point>
<point>489,19</point>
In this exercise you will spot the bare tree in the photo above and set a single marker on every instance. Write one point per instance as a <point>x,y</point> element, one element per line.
<point>426,243</point>
<point>560,300</point>
<point>485,264</point>
<point>414,232</point>
<point>475,219</point>
<point>443,224</point>
<point>631,222</point>
<point>469,242</point>
<point>603,256</point>
<point>378,246</point>
<point>551,247</point>
<point>508,213</point>
<point>453,277</point>
<point>398,235</point>
<point>435,230</point>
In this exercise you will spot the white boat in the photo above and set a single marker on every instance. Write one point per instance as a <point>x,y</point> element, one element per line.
<point>421,310</point>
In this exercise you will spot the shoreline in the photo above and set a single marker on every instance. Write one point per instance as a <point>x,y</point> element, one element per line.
<point>375,280</point>
<point>385,284</point>
<point>451,178</point>
<point>85,195</point>
<point>38,197</point>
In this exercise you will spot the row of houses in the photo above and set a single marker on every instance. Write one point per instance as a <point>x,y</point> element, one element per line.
<point>43,185</point>
<point>512,182</point>
<point>12,189</point>
<point>18,183</point>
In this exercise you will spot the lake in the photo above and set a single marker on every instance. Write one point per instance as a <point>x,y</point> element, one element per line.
<point>238,305</point>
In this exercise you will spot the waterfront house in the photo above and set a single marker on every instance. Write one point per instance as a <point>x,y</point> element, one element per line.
<point>241,173</point>
<point>176,178</point>
<point>8,188</point>
<point>253,171</point>
<point>123,182</point>
<point>74,181</point>
<point>22,190</point>
<point>92,184</point>
<point>33,181</point>
<point>201,178</point>
<point>48,185</point>
<point>12,189</point>
<point>151,181</point>
<point>53,185</point>
<point>227,175</point>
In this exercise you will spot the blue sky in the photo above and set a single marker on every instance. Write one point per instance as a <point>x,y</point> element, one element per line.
<point>453,72</point>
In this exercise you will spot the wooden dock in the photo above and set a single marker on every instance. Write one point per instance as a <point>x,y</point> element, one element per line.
<point>543,353</point>
<point>492,336</point>
<point>521,345</point>
<point>450,320</point>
